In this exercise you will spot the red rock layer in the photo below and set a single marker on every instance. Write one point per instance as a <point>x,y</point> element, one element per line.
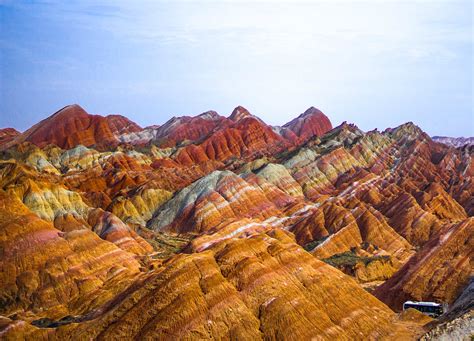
<point>310,123</point>
<point>190,129</point>
<point>247,138</point>
<point>8,134</point>
<point>239,113</point>
<point>72,126</point>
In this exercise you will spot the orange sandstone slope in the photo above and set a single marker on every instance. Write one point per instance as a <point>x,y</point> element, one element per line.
<point>240,215</point>
<point>438,272</point>
<point>66,209</point>
<point>265,287</point>
<point>52,273</point>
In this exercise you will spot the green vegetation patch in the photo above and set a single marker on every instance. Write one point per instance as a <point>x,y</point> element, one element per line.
<point>167,245</point>
<point>312,245</point>
<point>349,258</point>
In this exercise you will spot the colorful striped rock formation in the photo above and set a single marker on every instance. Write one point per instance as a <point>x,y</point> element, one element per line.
<point>214,227</point>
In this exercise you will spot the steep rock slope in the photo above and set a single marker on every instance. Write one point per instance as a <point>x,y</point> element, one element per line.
<point>438,272</point>
<point>246,138</point>
<point>212,200</point>
<point>53,273</point>
<point>264,287</point>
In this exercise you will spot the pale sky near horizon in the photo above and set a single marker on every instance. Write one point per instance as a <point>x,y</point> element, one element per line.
<point>377,64</point>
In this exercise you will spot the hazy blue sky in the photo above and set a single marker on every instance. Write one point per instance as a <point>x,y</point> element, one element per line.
<point>374,63</point>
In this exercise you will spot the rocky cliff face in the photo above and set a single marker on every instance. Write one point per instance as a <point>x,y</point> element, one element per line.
<point>215,227</point>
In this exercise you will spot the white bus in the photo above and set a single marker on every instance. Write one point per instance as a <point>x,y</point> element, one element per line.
<point>429,308</point>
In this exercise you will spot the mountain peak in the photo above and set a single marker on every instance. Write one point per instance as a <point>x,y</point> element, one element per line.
<point>72,125</point>
<point>209,115</point>
<point>239,113</point>
<point>311,111</point>
<point>406,130</point>
<point>72,110</point>
<point>311,123</point>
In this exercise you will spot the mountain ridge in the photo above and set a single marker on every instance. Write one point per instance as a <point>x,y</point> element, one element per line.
<point>97,130</point>
<point>207,213</point>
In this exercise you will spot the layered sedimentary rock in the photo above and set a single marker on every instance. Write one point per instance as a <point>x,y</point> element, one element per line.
<point>191,129</point>
<point>309,124</point>
<point>279,176</point>
<point>66,209</point>
<point>110,227</point>
<point>8,134</point>
<point>49,272</point>
<point>137,207</point>
<point>438,272</point>
<point>246,138</point>
<point>72,126</point>
<point>364,265</point>
<point>212,200</point>
<point>239,113</point>
<point>215,227</point>
<point>265,287</point>
<point>178,130</point>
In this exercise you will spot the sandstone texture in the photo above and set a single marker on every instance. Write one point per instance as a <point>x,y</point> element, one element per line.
<point>225,227</point>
